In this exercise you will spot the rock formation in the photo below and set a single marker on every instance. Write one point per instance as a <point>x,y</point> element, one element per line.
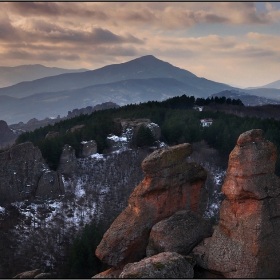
<point>246,242</point>
<point>87,148</point>
<point>52,134</point>
<point>90,109</point>
<point>122,124</point>
<point>163,265</point>
<point>7,136</point>
<point>75,128</point>
<point>179,233</point>
<point>24,174</point>
<point>68,161</point>
<point>171,184</point>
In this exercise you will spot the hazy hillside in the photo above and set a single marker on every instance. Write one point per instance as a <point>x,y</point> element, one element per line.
<point>145,67</point>
<point>271,93</point>
<point>13,75</point>
<point>247,99</point>
<point>51,104</point>
<point>275,84</point>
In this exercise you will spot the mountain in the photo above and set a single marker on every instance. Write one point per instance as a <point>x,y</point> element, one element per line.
<point>145,67</point>
<point>247,99</point>
<point>13,75</point>
<point>51,104</point>
<point>275,84</point>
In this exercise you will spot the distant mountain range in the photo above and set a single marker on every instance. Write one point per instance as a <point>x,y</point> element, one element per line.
<point>247,99</point>
<point>13,75</point>
<point>139,80</point>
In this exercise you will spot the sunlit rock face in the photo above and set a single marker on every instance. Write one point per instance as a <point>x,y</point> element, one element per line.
<point>246,243</point>
<point>171,184</point>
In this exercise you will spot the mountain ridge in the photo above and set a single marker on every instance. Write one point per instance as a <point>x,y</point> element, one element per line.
<point>12,75</point>
<point>139,68</point>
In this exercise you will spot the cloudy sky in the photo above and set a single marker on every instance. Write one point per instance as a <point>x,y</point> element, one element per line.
<point>232,42</point>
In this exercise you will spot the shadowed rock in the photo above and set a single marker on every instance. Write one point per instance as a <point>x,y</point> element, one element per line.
<point>179,233</point>
<point>163,265</point>
<point>68,161</point>
<point>171,184</point>
<point>246,243</point>
<point>24,174</point>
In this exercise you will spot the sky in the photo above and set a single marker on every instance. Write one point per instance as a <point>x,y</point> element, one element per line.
<point>237,43</point>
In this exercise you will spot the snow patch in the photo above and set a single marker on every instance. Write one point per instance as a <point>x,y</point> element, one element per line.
<point>2,210</point>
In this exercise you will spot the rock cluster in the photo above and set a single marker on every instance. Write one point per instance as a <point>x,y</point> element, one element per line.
<point>246,242</point>
<point>171,184</point>
<point>122,124</point>
<point>24,174</point>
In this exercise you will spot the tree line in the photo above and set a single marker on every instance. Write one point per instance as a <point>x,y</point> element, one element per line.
<point>175,116</point>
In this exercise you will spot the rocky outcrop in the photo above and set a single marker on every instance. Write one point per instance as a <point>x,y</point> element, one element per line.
<point>163,265</point>
<point>7,136</point>
<point>52,134</point>
<point>179,233</point>
<point>135,124</point>
<point>90,109</point>
<point>87,148</point>
<point>68,161</point>
<point>171,184</point>
<point>75,128</point>
<point>246,243</point>
<point>24,174</point>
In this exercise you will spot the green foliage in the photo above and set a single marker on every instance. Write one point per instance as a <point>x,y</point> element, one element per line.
<point>82,262</point>
<point>144,137</point>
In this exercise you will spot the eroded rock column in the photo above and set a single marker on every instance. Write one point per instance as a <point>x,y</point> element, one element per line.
<point>171,184</point>
<point>246,243</point>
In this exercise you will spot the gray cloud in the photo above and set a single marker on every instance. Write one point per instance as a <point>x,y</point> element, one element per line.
<point>52,9</point>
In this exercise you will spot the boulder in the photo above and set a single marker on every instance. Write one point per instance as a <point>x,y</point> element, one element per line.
<point>68,161</point>
<point>179,233</point>
<point>171,184</point>
<point>87,148</point>
<point>163,265</point>
<point>24,174</point>
<point>246,242</point>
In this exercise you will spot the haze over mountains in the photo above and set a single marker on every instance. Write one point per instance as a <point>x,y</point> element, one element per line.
<point>13,75</point>
<point>139,80</point>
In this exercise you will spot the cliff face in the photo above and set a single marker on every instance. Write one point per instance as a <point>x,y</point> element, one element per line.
<point>246,243</point>
<point>24,174</point>
<point>171,184</point>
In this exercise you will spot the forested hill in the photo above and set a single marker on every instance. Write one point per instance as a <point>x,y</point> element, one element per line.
<point>178,120</point>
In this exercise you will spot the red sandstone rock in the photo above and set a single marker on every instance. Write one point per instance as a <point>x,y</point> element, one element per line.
<point>246,243</point>
<point>163,265</point>
<point>171,184</point>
